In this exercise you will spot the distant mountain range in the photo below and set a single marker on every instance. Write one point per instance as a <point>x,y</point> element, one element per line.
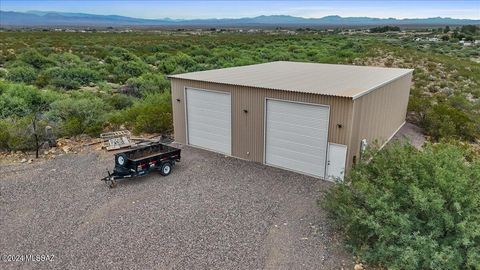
<point>51,19</point>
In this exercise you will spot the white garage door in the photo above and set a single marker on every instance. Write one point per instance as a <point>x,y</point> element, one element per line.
<point>208,120</point>
<point>296,136</point>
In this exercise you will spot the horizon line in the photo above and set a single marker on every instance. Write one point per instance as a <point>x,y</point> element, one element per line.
<point>230,18</point>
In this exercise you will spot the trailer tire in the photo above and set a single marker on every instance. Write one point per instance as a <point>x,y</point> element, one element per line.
<point>121,159</point>
<point>166,169</point>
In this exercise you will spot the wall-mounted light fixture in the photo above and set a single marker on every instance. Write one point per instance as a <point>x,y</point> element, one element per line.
<point>178,99</point>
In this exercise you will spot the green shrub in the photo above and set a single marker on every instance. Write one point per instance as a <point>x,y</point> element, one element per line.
<point>72,126</point>
<point>79,114</point>
<point>151,114</point>
<point>125,70</point>
<point>69,78</point>
<point>21,100</point>
<point>185,61</point>
<point>149,83</point>
<point>411,209</point>
<point>3,73</point>
<point>167,66</point>
<point>444,121</point>
<point>21,74</point>
<point>65,60</point>
<point>17,133</point>
<point>35,59</point>
<point>119,101</point>
<point>4,134</point>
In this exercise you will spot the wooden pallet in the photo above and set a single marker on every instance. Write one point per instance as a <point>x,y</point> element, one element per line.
<point>116,140</point>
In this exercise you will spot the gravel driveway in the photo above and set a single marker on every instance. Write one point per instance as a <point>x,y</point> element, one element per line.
<point>212,212</point>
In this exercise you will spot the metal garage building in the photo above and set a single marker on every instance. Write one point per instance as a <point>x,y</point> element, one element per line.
<point>305,117</point>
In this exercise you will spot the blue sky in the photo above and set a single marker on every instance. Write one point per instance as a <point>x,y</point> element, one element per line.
<point>469,9</point>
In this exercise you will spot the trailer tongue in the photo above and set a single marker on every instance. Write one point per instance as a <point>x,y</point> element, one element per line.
<point>142,160</point>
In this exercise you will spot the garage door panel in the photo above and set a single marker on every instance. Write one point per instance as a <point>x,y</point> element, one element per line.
<point>306,134</point>
<point>310,157</point>
<point>205,120</point>
<point>209,119</point>
<point>218,123</point>
<point>208,107</point>
<point>296,136</point>
<point>289,141</point>
<point>210,123</point>
<point>287,128</point>
<point>205,95</point>
<point>308,110</point>
<point>299,146</point>
<point>198,129</point>
<point>297,119</point>
<point>211,144</point>
<point>300,166</point>
<point>210,110</point>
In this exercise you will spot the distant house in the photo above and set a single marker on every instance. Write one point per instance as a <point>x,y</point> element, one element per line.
<point>465,43</point>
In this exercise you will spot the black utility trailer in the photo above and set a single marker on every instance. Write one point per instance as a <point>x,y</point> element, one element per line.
<point>142,160</point>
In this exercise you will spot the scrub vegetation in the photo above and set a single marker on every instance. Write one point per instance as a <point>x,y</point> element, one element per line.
<point>406,209</point>
<point>93,82</point>
<point>412,209</point>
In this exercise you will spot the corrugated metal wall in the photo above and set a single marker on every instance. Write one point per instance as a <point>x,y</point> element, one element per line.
<point>248,128</point>
<point>378,114</point>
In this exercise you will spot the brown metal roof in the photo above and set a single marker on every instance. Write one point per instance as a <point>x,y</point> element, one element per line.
<point>325,79</point>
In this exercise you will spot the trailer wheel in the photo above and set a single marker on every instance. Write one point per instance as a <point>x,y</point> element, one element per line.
<point>121,159</point>
<point>166,169</point>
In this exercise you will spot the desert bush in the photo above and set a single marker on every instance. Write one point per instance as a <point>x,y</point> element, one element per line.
<point>167,66</point>
<point>17,133</point>
<point>4,134</point>
<point>151,114</point>
<point>411,209</point>
<point>35,59</point>
<point>123,54</point>
<point>70,78</point>
<point>444,121</point>
<point>125,70</point>
<point>65,60</point>
<point>119,101</point>
<point>22,74</point>
<point>149,83</point>
<point>79,114</point>
<point>3,73</point>
<point>21,100</point>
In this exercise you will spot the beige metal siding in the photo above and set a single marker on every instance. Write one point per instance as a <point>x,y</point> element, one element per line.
<point>378,114</point>
<point>248,128</point>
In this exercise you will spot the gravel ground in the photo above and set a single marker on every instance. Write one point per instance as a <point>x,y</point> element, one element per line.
<point>212,212</point>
